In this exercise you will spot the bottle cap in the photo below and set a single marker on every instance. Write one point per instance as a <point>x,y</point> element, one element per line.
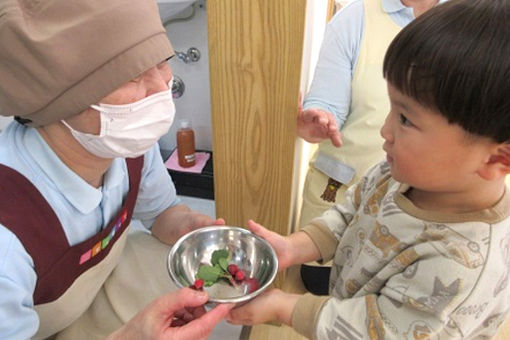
<point>184,123</point>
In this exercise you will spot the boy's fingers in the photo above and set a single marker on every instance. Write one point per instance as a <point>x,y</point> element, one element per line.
<point>257,229</point>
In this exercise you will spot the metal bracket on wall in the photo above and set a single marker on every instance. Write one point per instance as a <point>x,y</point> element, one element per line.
<point>177,87</point>
<point>191,56</point>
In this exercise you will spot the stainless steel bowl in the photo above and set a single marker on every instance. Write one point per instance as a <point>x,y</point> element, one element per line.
<point>248,251</point>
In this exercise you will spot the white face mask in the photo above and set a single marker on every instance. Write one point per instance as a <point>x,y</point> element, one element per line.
<point>129,130</point>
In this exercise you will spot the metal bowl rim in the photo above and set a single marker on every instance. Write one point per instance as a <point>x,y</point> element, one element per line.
<point>243,298</point>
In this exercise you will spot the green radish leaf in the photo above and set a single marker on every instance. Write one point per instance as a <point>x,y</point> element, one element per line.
<point>223,263</point>
<point>217,271</point>
<point>209,273</point>
<point>217,255</point>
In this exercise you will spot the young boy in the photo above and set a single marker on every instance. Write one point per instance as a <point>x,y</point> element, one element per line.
<point>421,249</point>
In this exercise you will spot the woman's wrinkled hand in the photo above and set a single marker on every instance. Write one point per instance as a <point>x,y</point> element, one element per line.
<point>315,125</point>
<point>179,315</point>
<point>179,220</point>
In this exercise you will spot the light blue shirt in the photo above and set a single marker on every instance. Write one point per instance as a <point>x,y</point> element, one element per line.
<point>331,86</point>
<point>82,210</point>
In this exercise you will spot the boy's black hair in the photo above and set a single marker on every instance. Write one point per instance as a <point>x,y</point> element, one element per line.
<point>455,59</point>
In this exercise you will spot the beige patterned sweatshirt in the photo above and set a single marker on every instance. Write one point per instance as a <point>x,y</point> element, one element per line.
<point>400,272</point>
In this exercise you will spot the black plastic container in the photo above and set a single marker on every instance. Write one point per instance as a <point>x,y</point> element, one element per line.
<point>191,184</point>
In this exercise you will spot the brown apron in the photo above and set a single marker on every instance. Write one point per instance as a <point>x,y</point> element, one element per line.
<point>68,277</point>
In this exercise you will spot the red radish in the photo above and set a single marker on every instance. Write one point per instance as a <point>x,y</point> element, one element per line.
<point>239,276</point>
<point>198,285</point>
<point>232,269</point>
<point>253,284</point>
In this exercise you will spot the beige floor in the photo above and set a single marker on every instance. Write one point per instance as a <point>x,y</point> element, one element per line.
<point>294,284</point>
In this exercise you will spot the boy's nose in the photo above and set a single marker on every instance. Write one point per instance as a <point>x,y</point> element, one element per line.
<point>386,130</point>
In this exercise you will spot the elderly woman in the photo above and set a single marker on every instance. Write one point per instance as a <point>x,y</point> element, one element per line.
<point>88,83</point>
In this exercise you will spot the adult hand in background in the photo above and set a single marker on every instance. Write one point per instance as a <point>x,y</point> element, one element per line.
<point>179,315</point>
<point>179,220</point>
<point>315,125</point>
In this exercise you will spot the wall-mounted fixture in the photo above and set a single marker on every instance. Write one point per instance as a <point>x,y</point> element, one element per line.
<point>192,55</point>
<point>177,87</point>
<point>169,9</point>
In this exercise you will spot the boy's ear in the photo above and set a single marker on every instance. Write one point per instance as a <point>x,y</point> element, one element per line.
<point>498,164</point>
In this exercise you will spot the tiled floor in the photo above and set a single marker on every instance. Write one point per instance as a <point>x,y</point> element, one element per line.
<point>224,330</point>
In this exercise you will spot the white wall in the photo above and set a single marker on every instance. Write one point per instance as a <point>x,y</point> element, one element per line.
<point>316,21</point>
<point>195,104</point>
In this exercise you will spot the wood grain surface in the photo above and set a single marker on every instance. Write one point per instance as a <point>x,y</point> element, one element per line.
<point>255,52</point>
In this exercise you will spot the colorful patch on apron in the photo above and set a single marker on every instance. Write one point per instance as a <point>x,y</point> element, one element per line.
<point>99,246</point>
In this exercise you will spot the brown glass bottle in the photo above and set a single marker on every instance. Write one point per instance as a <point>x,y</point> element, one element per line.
<point>185,144</point>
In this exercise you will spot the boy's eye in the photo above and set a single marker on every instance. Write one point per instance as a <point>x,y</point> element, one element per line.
<point>404,121</point>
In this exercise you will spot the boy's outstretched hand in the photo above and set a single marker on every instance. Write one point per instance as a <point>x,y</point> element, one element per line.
<point>296,248</point>
<point>281,245</point>
<point>272,305</point>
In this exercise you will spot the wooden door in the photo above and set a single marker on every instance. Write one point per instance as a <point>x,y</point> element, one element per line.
<point>256,58</point>
<point>255,53</point>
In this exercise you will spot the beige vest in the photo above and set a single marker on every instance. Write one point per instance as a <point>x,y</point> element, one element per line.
<point>57,315</point>
<point>362,143</point>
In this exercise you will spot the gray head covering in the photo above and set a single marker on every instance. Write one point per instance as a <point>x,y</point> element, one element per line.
<point>57,57</point>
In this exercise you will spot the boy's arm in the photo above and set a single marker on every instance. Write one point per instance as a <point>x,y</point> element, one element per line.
<point>323,239</point>
<point>318,240</point>
<point>423,299</point>
<point>305,250</point>
<point>327,230</point>
<point>424,304</point>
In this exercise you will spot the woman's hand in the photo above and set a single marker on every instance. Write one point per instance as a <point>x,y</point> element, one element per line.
<point>179,220</point>
<point>314,125</point>
<point>179,315</point>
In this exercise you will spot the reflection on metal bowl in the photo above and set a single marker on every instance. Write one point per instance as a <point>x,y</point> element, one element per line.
<point>248,251</point>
